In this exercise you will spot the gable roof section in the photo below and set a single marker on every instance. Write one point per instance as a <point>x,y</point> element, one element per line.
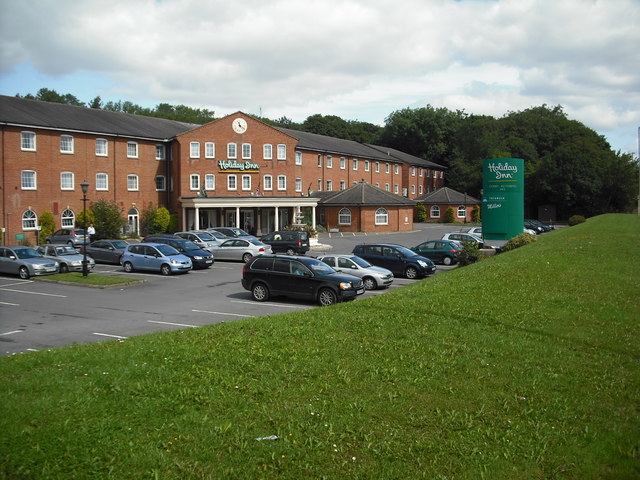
<point>362,194</point>
<point>58,116</point>
<point>448,196</point>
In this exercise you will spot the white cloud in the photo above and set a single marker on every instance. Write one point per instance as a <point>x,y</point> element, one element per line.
<point>359,59</point>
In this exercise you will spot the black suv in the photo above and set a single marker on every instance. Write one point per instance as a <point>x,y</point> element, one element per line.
<point>400,260</point>
<point>304,277</point>
<point>199,258</point>
<point>291,242</point>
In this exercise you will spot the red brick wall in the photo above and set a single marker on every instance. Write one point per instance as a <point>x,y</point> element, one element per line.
<point>363,219</point>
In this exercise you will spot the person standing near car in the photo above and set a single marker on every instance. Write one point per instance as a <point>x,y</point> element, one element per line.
<point>91,232</point>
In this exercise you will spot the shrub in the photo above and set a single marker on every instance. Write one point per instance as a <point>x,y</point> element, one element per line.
<point>304,228</point>
<point>155,220</point>
<point>80,218</point>
<point>449,216</point>
<point>519,241</point>
<point>108,219</point>
<point>475,214</point>
<point>576,219</point>
<point>48,224</point>
<point>470,253</point>
<point>420,214</point>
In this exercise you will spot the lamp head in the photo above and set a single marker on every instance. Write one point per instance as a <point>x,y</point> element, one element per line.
<point>85,187</point>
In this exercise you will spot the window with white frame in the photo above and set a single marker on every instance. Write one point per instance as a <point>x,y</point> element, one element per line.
<point>209,150</point>
<point>366,165</point>
<point>161,183</point>
<point>434,211</point>
<point>382,216</point>
<point>28,141</point>
<point>102,181</point>
<point>387,168</point>
<point>396,188</point>
<point>161,152</point>
<point>246,182</point>
<point>396,169</point>
<point>343,163</point>
<point>319,185</point>
<point>282,152</point>
<point>420,172</point>
<point>462,211</point>
<point>29,220</point>
<point>282,182</point>
<point>329,161</point>
<point>246,151</point>
<point>377,184</point>
<point>342,185</point>
<point>67,218</point>
<point>232,182</point>
<point>377,167</point>
<point>419,189</point>
<point>28,180</point>
<point>319,161</point>
<point>66,180</point>
<point>194,181</point>
<point>355,163</point>
<point>132,183</point>
<point>298,184</point>
<point>441,174</point>
<point>132,149</point>
<point>194,150</point>
<point>386,187</point>
<point>298,158</point>
<point>329,185</point>
<point>267,182</point>
<point>101,147</point>
<point>66,144</point>
<point>413,189</point>
<point>209,181</point>
<point>344,216</point>
<point>267,151</point>
<point>231,150</point>
<point>413,171</point>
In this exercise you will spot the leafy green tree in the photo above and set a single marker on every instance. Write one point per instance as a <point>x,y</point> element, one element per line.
<point>155,220</point>
<point>80,218</point>
<point>96,103</point>
<point>449,216</point>
<point>47,223</point>
<point>420,212</point>
<point>108,218</point>
<point>162,220</point>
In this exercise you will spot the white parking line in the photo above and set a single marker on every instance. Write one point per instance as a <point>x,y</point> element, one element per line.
<point>269,304</point>
<point>33,293</point>
<point>107,335</point>
<point>11,304</point>
<point>16,283</point>
<point>222,313</point>
<point>170,323</point>
<point>12,332</point>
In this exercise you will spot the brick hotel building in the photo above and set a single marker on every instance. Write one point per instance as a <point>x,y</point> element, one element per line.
<point>234,171</point>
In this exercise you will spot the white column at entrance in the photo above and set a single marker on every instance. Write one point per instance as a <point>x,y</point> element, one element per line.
<point>197,219</point>
<point>313,217</point>
<point>238,218</point>
<point>184,219</point>
<point>276,226</point>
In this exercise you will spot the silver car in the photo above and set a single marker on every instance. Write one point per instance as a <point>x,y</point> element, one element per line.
<point>240,249</point>
<point>67,256</point>
<point>373,277</point>
<point>25,262</point>
<point>203,239</point>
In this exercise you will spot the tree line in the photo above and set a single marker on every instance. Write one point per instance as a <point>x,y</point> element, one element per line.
<point>567,164</point>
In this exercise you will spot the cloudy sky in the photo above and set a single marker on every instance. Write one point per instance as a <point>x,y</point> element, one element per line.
<point>358,59</point>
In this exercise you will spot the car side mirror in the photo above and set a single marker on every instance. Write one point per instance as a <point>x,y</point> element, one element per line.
<point>12,257</point>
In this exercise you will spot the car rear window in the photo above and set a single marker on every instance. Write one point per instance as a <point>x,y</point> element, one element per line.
<point>262,264</point>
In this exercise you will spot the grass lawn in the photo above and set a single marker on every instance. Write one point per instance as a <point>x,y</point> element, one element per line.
<point>93,279</point>
<point>522,366</point>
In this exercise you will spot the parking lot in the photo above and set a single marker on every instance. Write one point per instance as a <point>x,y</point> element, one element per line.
<point>36,315</point>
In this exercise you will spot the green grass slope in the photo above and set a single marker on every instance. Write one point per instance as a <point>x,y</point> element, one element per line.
<point>522,366</point>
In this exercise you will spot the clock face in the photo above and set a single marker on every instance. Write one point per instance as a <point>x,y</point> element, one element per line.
<point>239,125</point>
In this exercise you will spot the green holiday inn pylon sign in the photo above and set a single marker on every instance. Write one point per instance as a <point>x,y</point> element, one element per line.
<point>502,198</point>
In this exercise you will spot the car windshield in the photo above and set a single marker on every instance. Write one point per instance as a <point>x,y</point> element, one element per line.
<point>215,234</point>
<point>361,262</point>
<point>120,244</point>
<point>256,242</point>
<point>205,236</point>
<point>66,251</point>
<point>238,232</point>
<point>321,268</point>
<point>28,252</point>
<point>406,252</point>
<point>189,245</point>
<point>167,250</point>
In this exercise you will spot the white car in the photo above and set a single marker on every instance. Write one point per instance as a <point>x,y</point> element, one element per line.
<point>462,237</point>
<point>372,277</point>
<point>67,256</point>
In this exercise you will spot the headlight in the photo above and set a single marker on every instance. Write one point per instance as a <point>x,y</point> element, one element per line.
<point>422,263</point>
<point>197,258</point>
<point>345,285</point>
<point>76,263</point>
<point>38,266</point>
<point>174,261</point>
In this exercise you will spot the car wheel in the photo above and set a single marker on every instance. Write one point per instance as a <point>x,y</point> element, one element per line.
<point>128,267</point>
<point>24,273</point>
<point>64,268</point>
<point>290,251</point>
<point>260,292</point>
<point>327,297</point>
<point>47,241</point>
<point>411,273</point>
<point>246,257</point>
<point>369,283</point>
<point>447,260</point>
<point>165,269</point>
<point>70,243</point>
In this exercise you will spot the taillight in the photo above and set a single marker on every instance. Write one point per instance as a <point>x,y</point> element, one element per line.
<point>261,249</point>
<point>299,242</point>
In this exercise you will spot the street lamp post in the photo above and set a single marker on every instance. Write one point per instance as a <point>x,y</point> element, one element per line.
<point>85,187</point>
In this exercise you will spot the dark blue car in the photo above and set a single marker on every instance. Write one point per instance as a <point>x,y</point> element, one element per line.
<point>400,260</point>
